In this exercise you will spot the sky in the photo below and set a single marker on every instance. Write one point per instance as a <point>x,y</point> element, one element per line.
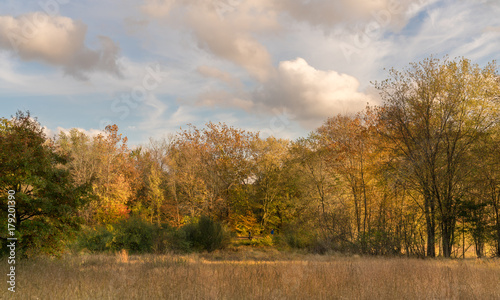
<point>280,67</point>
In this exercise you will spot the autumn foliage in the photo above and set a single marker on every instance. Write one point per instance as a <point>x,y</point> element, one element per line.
<point>417,175</point>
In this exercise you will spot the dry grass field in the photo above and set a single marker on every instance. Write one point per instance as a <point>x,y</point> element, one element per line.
<point>253,275</point>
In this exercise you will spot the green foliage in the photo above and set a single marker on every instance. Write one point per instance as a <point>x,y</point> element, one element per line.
<point>139,236</point>
<point>207,234</point>
<point>95,239</point>
<point>134,235</point>
<point>178,241</point>
<point>299,238</point>
<point>46,199</point>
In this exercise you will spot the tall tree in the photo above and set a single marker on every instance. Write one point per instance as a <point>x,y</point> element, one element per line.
<point>317,182</point>
<point>269,176</point>
<point>106,159</point>
<point>46,199</point>
<point>216,163</point>
<point>349,149</point>
<point>484,197</point>
<point>433,113</point>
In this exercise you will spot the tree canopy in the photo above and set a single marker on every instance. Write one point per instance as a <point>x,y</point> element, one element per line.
<point>47,199</point>
<point>418,175</point>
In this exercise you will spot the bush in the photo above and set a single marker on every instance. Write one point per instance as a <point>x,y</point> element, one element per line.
<point>95,239</point>
<point>206,234</point>
<point>137,236</point>
<point>299,239</point>
<point>134,235</point>
<point>167,238</point>
<point>178,241</point>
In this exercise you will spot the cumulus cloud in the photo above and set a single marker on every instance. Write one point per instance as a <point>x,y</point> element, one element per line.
<point>311,94</point>
<point>58,41</point>
<point>232,30</point>
<point>234,95</point>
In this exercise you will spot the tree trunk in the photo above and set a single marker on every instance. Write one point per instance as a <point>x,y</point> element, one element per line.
<point>447,228</point>
<point>430,224</point>
<point>498,239</point>
<point>446,241</point>
<point>497,219</point>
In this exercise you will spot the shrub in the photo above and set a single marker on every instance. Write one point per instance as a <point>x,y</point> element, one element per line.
<point>95,239</point>
<point>134,235</point>
<point>167,238</point>
<point>178,241</point>
<point>206,234</point>
<point>299,239</point>
<point>137,236</point>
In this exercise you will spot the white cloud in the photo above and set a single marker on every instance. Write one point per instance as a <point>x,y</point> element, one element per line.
<point>224,55</point>
<point>153,112</point>
<point>462,29</point>
<point>59,41</point>
<point>310,94</point>
<point>160,121</point>
<point>234,30</point>
<point>492,29</point>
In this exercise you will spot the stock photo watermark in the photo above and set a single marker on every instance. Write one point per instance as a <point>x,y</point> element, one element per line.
<point>223,8</point>
<point>11,240</point>
<point>125,102</point>
<point>278,123</point>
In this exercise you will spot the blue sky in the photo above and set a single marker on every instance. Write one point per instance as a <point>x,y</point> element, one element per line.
<point>280,67</point>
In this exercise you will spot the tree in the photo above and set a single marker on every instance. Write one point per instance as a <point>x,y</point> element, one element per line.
<point>269,178</point>
<point>215,162</point>
<point>316,182</point>
<point>83,161</point>
<point>106,160</point>
<point>485,194</point>
<point>47,200</point>
<point>433,114</point>
<point>348,144</point>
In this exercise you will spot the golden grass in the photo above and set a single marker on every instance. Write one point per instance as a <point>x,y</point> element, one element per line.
<point>252,275</point>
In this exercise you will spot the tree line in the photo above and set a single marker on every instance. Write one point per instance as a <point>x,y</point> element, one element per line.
<point>418,175</point>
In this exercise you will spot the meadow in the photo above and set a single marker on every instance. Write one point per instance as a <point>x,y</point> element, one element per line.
<point>253,274</point>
